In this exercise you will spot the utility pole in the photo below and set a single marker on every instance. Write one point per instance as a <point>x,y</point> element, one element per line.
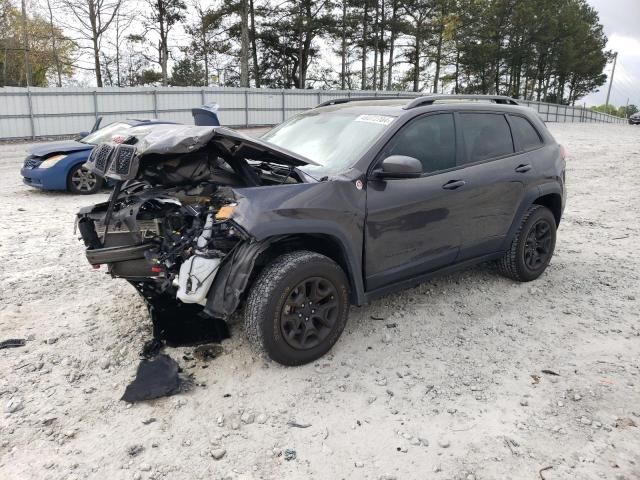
<point>615,59</point>
<point>25,39</point>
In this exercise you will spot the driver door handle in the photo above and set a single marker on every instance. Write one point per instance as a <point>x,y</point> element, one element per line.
<point>453,184</point>
<point>525,167</point>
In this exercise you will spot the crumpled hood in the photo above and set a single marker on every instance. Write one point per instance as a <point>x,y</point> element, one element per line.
<point>65,146</point>
<point>167,140</point>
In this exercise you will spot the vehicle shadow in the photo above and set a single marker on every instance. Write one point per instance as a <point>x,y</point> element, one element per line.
<point>438,300</point>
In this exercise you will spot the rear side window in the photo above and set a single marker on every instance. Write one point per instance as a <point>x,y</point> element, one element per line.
<point>525,136</point>
<point>431,139</point>
<point>486,136</point>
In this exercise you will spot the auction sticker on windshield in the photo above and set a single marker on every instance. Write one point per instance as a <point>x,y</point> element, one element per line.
<point>379,119</point>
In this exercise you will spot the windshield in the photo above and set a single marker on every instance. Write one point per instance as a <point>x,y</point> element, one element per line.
<point>106,134</point>
<point>334,140</point>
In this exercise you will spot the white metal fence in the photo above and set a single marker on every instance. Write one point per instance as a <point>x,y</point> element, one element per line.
<point>48,112</point>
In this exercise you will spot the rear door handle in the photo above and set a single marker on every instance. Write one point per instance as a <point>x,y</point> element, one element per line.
<point>525,167</point>
<point>453,184</point>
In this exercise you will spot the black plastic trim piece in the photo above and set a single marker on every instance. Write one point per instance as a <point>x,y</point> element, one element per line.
<point>99,256</point>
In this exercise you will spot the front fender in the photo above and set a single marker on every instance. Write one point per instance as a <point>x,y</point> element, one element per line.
<point>63,167</point>
<point>271,213</point>
<point>73,159</point>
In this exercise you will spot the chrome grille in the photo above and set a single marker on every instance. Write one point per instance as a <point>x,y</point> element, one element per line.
<point>123,165</point>
<point>32,162</point>
<point>98,160</point>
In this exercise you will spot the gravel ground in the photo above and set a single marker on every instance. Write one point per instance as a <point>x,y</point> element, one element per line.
<point>443,381</point>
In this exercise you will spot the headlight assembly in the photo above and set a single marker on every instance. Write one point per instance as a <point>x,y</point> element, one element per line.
<point>225,212</point>
<point>51,161</point>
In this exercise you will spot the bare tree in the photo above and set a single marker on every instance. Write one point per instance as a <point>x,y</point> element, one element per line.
<point>92,18</point>
<point>343,45</point>
<point>392,39</point>
<point>201,38</point>
<point>365,39</point>
<point>54,45</point>
<point>25,36</point>
<point>254,48</point>
<point>121,24</point>
<point>160,18</point>
<point>244,43</point>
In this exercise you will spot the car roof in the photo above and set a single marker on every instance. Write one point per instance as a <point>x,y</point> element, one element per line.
<point>398,106</point>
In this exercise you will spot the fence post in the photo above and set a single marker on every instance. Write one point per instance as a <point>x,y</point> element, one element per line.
<point>202,97</point>
<point>155,103</point>
<point>319,98</point>
<point>31,122</point>
<point>246,108</point>
<point>95,103</point>
<point>284,112</point>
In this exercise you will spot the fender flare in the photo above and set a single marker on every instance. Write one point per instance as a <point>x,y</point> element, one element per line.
<point>527,200</point>
<point>547,188</point>
<point>235,271</point>
<point>350,250</point>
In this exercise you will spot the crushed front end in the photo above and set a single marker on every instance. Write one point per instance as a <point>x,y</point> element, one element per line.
<point>153,234</point>
<point>168,227</point>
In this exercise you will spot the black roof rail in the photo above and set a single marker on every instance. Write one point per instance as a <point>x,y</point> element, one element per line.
<point>430,99</point>
<point>337,101</point>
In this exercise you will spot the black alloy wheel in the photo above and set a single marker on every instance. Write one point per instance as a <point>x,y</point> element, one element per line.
<point>297,307</point>
<point>309,313</point>
<point>532,246</point>
<point>538,246</point>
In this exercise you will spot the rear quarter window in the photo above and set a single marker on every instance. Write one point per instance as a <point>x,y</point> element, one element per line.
<point>525,136</point>
<point>486,136</point>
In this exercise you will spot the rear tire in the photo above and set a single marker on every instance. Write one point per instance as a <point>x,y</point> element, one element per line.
<point>532,247</point>
<point>297,308</point>
<point>83,182</point>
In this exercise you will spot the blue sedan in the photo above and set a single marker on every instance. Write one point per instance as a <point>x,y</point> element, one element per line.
<point>59,165</point>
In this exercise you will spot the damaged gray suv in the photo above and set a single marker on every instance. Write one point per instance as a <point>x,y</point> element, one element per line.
<point>341,204</point>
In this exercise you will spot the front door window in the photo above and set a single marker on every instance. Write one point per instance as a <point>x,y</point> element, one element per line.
<point>430,139</point>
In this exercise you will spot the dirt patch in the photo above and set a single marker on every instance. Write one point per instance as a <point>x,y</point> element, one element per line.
<point>445,380</point>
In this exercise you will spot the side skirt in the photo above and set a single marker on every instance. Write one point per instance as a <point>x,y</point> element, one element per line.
<point>415,281</point>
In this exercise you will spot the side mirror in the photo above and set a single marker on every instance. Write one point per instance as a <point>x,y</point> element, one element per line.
<point>81,135</point>
<point>399,166</point>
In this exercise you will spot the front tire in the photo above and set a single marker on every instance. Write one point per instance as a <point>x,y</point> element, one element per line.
<point>83,182</point>
<point>297,307</point>
<point>532,247</point>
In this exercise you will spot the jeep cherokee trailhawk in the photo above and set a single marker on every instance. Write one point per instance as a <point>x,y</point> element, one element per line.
<point>338,205</point>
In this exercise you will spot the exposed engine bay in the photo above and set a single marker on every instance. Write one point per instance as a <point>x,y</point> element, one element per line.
<point>168,227</point>
<point>153,232</point>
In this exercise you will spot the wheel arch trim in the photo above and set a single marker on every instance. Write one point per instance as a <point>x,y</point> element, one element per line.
<point>350,249</point>
<point>237,270</point>
<point>532,197</point>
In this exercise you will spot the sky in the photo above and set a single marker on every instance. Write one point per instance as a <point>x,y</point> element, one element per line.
<point>621,21</point>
